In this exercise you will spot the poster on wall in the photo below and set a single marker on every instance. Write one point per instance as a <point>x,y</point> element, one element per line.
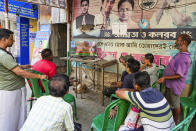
<point>41,42</point>
<point>133,19</point>
<point>162,50</point>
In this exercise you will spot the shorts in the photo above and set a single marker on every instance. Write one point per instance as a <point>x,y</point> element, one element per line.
<point>173,99</point>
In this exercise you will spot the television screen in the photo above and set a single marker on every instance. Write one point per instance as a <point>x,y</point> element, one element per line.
<point>83,48</point>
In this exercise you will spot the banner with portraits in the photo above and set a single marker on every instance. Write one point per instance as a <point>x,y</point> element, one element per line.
<point>127,18</point>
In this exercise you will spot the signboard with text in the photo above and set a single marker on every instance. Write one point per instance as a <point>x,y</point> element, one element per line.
<point>22,9</point>
<point>53,3</point>
<point>149,19</point>
<point>22,40</point>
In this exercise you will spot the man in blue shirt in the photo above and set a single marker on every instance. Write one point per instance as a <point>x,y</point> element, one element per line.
<point>118,84</point>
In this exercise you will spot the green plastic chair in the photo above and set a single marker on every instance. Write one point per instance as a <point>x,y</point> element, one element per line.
<point>45,83</point>
<point>154,85</point>
<point>160,74</point>
<point>36,88</point>
<point>70,98</point>
<point>188,103</point>
<point>37,92</point>
<point>102,122</point>
<point>113,96</point>
<point>184,125</point>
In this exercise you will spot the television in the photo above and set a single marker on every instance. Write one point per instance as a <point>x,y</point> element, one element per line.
<point>83,48</point>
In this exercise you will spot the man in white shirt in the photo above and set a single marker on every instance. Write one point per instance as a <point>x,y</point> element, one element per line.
<point>52,112</point>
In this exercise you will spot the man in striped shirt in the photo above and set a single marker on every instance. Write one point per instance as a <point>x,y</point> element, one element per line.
<point>154,109</point>
<point>52,113</point>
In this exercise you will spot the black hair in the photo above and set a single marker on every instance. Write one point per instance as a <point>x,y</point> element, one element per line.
<point>134,65</point>
<point>46,53</point>
<point>186,38</point>
<point>142,79</point>
<point>122,1</point>
<point>83,1</point>
<point>130,60</point>
<point>149,57</point>
<point>5,33</point>
<point>59,85</point>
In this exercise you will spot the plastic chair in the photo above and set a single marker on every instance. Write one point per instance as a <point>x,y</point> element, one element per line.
<point>154,85</point>
<point>36,88</point>
<point>160,74</point>
<point>113,96</point>
<point>102,122</point>
<point>45,83</point>
<point>189,103</point>
<point>184,125</point>
<point>70,98</point>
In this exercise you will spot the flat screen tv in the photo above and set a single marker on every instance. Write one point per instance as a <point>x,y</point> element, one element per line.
<point>83,48</point>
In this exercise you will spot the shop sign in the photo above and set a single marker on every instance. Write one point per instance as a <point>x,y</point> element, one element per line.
<point>20,9</point>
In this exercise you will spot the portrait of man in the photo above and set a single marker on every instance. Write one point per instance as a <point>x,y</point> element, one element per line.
<point>105,18</point>
<point>83,23</point>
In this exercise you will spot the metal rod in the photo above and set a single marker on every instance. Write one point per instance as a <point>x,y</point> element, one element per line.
<point>6,15</point>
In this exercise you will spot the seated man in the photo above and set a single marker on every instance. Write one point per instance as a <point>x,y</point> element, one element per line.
<point>46,66</point>
<point>115,85</point>
<point>155,112</point>
<point>51,112</point>
<point>132,67</point>
<point>150,67</point>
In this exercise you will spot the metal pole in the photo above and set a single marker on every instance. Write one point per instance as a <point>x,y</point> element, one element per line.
<point>6,20</point>
<point>6,15</point>
<point>68,35</point>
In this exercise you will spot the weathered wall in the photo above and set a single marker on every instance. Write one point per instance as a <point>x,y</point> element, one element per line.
<point>156,33</point>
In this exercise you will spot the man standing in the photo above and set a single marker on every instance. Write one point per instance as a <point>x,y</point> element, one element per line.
<point>12,86</point>
<point>175,74</point>
<point>84,19</point>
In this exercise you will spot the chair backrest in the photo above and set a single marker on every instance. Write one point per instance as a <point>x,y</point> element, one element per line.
<point>45,83</point>
<point>160,73</point>
<point>193,94</point>
<point>36,88</point>
<point>184,125</point>
<point>120,116</point>
<point>154,85</point>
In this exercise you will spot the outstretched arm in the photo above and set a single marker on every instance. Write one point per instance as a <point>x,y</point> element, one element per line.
<point>162,79</point>
<point>121,93</point>
<point>25,74</point>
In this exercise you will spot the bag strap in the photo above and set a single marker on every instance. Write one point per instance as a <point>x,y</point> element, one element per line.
<point>137,121</point>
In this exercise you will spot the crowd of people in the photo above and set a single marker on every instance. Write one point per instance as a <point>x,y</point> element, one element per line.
<point>157,111</point>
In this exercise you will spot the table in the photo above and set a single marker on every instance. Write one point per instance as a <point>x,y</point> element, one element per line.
<point>100,63</point>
